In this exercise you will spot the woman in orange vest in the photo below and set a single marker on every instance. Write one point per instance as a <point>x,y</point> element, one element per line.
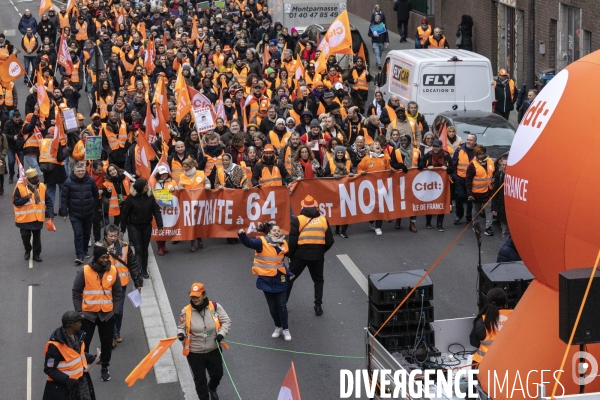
<point>193,179</point>
<point>103,100</point>
<point>164,181</point>
<point>489,322</point>
<point>336,167</point>
<point>273,274</point>
<point>117,189</point>
<point>404,157</point>
<point>203,324</point>
<point>372,162</point>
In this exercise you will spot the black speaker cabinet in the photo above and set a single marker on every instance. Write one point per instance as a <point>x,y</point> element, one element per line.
<point>405,315</point>
<point>392,287</point>
<point>571,288</point>
<point>513,277</point>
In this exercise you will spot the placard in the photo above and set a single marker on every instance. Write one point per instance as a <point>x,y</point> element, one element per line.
<point>164,197</point>
<point>93,147</point>
<point>70,121</point>
<point>203,119</point>
<point>219,5</point>
<point>378,29</point>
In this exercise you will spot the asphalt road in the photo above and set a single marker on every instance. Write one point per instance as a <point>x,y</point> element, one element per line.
<point>225,270</point>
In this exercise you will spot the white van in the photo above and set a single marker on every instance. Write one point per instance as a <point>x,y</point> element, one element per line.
<point>438,80</point>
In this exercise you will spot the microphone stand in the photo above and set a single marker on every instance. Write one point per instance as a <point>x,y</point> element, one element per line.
<point>477,230</point>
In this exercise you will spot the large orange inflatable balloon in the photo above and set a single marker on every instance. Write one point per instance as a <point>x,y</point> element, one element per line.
<point>551,191</point>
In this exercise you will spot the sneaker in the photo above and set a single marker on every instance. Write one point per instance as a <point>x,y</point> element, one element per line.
<point>337,231</point>
<point>114,343</point>
<point>468,219</point>
<point>344,235</point>
<point>378,232</point>
<point>213,394</point>
<point>276,333</point>
<point>489,232</point>
<point>372,225</point>
<point>78,261</point>
<point>457,220</point>
<point>119,338</point>
<point>318,311</point>
<point>10,180</point>
<point>286,335</point>
<point>440,228</point>
<point>90,242</point>
<point>428,225</point>
<point>104,374</point>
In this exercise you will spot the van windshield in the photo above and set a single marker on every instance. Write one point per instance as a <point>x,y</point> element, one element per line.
<point>487,135</point>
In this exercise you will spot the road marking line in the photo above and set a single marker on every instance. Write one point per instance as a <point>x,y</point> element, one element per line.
<point>28,378</point>
<point>358,276</point>
<point>30,310</point>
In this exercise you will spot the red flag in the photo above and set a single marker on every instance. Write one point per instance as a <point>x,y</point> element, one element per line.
<point>59,134</point>
<point>144,153</point>
<point>42,97</point>
<point>161,162</point>
<point>11,69</point>
<point>64,58</point>
<point>289,388</point>
<point>21,171</point>
<point>149,56</point>
<point>140,371</point>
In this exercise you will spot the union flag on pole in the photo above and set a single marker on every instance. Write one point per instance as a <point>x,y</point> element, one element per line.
<point>59,134</point>
<point>42,97</point>
<point>148,362</point>
<point>64,58</point>
<point>45,5</point>
<point>289,388</point>
<point>183,97</point>
<point>149,56</point>
<point>144,153</point>
<point>11,69</point>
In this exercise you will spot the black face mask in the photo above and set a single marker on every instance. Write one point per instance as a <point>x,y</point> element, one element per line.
<point>269,160</point>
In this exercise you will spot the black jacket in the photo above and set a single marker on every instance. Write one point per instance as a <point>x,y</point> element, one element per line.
<point>258,168</point>
<point>78,197</point>
<point>403,9</point>
<point>12,129</point>
<point>308,251</point>
<point>425,161</point>
<point>467,36</point>
<point>139,209</point>
<point>504,101</point>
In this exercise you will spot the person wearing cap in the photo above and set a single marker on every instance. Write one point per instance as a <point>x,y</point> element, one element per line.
<point>31,206</point>
<point>97,294</point>
<point>273,275</point>
<point>66,359</point>
<point>506,94</point>
<point>423,32</point>
<point>480,187</point>
<point>203,324</point>
<point>437,158</point>
<point>310,238</point>
<point>316,139</point>
<point>269,171</point>
<point>437,40</point>
<point>253,105</point>
<point>279,135</point>
<point>403,125</point>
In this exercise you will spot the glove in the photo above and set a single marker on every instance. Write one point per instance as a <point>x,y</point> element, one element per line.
<point>404,169</point>
<point>72,383</point>
<point>180,336</point>
<point>219,338</point>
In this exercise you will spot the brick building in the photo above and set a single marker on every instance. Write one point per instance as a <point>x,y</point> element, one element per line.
<point>564,31</point>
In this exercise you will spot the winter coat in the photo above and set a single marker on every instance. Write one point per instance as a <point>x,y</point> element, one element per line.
<point>403,9</point>
<point>3,153</point>
<point>27,22</point>
<point>138,210</point>
<point>467,36</point>
<point>57,389</point>
<point>11,129</point>
<point>498,200</point>
<point>78,197</point>
<point>508,252</point>
<point>203,327</point>
<point>504,102</point>
<point>308,251</point>
<point>134,267</point>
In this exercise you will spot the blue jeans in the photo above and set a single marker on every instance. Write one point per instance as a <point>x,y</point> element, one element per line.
<point>81,235</point>
<point>378,50</point>
<point>12,159</point>
<point>51,190</point>
<point>27,62</point>
<point>278,308</point>
<point>119,316</point>
<point>32,162</point>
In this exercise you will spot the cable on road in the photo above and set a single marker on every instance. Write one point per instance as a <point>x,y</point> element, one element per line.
<point>228,373</point>
<point>293,351</point>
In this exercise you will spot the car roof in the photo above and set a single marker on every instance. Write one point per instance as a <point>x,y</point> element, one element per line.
<point>475,116</point>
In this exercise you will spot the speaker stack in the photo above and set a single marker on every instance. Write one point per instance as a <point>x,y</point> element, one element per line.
<point>571,288</point>
<point>513,277</point>
<point>410,327</point>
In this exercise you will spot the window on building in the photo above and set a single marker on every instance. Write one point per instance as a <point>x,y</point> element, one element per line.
<point>424,7</point>
<point>586,47</point>
<point>570,36</point>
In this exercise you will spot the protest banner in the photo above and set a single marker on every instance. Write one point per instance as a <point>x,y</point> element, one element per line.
<point>377,195</point>
<point>221,213</point>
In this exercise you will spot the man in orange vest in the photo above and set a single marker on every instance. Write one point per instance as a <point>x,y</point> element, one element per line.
<point>31,206</point>
<point>423,32</point>
<point>310,238</point>
<point>30,45</point>
<point>461,159</point>
<point>269,171</point>
<point>480,187</point>
<point>66,359</point>
<point>436,41</point>
<point>97,294</point>
<point>506,94</point>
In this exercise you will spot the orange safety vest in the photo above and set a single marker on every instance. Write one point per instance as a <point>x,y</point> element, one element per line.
<point>113,203</point>
<point>511,86</point>
<point>268,178</point>
<point>416,154</point>
<point>63,20</point>
<point>29,43</point>
<point>4,54</point>
<point>187,340</point>
<point>212,162</point>
<point>490,336</point>
<point>33,140</point>
<point>6,94</point>
<point>45,153</point>
<point>424,34</point>
<point>220,176</point>
<point>177,168</point>
<point>97,293</point>
<point>128,66</point>
<point>279,143</point>
<point>287,159</point>
<point>116,142</point>
<point>31,211</point>
<point>74,363</point>
<point>74,77</point>
<point>122,269</point>
<point>81,31</point>
<point>79,151</point>
<point>332,165</point>
<point>484,177</point>
<point>247,170</point>
<point>433,43</point>
<point>296,116</point>
<point>196,182</point>
<point>242,76</point>
<point>463,163</point>
<point>268,262</point>
<point>312,230</point>
<point>413,122</point>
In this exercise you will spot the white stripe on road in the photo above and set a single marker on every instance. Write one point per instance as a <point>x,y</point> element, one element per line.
<point>30,310</point>
<point>358,276</point>
<point>28,378</point>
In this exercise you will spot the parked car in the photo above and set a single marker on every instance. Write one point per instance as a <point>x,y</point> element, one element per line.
<point>320,31</point>
<point>492,131</point>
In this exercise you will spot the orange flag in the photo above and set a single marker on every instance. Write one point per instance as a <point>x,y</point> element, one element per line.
<point>194,33</point>
<point>161,162</point>
<point>150,132</point>
<point>45,5</point>
<point>266,55</point>
<point>299,73</point>
<point>160,125</point>
<point>444,137</point>
<point>160,98</point>
<point>183,97</point>
<point>42,97</point>
<point>148,362</point>
<point>149,56</point>
<point>289,388</point>
<point>361,52</point>
<point>321,63</point>
<point>70,5</point>
<point>11,69</point>
<point>142,30</point>
<point>59,134</point>
<point>144,153</point>
<point>338,35</point>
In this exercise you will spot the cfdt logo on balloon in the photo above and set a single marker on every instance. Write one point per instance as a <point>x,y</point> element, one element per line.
<point>428,186</point>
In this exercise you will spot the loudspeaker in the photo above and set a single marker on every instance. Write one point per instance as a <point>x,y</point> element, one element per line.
<point>404,316</point>
<point>513,277</point>
<point>404,338</point>
<point>392,287</point>
<point>571,288</point>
